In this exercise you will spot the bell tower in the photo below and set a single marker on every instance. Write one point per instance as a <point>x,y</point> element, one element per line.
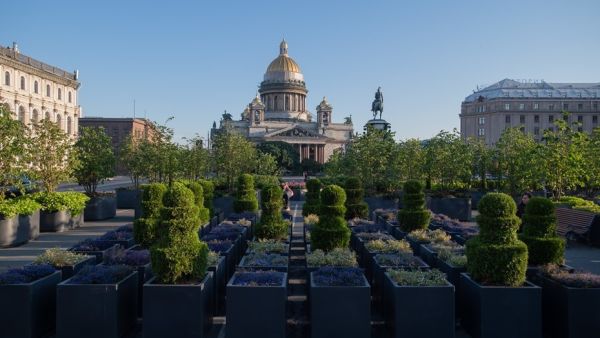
<point>256,111</point>
<point>324,112</point>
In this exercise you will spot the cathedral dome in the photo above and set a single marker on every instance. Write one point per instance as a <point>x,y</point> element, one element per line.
<point>283,68</point>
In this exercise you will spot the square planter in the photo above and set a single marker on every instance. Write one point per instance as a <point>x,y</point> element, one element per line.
<point>415,245</point>
<point>28,310</point>
<point>31,223</point>
<point>420,311</point>
<point>98,254</point>
<point>180,310</point>
<point>453,275</point>
<point>128,198</point>
<point>220,282</point>
<point>69,270</point>
<point>244,265</point>
<point>428,255</point>
<point>76,221</point>
<point>96,310</point>
<point>56,221</point>
<point>12,232</point>
<point>501,312</point>
<point>569,312</point>
<point>100,208</point>
<point>256,311</point>
<point>379,277</point>
<point>340,311</point>
<point>456,208</point>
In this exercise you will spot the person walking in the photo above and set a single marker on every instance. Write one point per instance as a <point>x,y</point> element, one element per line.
<point>287,195</point>
<point>521,207</point>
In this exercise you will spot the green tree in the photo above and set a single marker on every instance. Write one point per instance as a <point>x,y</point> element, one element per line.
<point>96,158</point>
<point>482,160</point>
<point>266,164</point>
<point>132,157</point>
<point>14,151</point>
<point>539,233</point>
<point>591,157</point>
<point>232,155</point>
<point>410,159</point>
<point>448,161</point>
<point>195,159</point>
<point>518,158</point>
<point>286,156</point>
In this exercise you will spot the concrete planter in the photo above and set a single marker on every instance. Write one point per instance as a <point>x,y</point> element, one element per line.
<point>29,310</point>
<point>76,221</point>
<point>12,232</point>
<point>32,223</point>
<point>98,254</point>
<point>223,204</point>
<point>182,310</point>
<point>220,282</point>
<point>96,310</point>
<point>458,208</point>
<point>428,255</point>
<point>453,275</point>
<point>55,221</point>
<point>256,311</point>
<point>100,208</point>
<point>128,198</point>
<point>379,278</point>
<point>340,311</point>
<point>420,311</point>
<point>244,265</point>
<point>500,312</point>
<point>69,270</point>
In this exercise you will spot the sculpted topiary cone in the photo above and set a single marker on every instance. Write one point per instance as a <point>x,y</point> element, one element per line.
<point>539,233</point>
<point>331,230</point>
<point>313,197</point>
<point>178,255</point>
<point>245,196</point>
<point>144,228</point>
<point>355,205</point>
<point>198,192</point>
<point>496,256</point>
<point>414,215</point>
<point>271,225</point>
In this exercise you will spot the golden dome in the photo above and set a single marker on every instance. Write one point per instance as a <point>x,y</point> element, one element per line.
<point>283,63</point>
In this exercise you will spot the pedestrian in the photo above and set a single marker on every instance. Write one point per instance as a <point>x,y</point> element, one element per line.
<point>287,195</point>
<point>521,207</point>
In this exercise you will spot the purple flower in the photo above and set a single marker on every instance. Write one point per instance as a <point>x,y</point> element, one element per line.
<point>220,236</point>
<point>117,235</point>
<point>128,257</point>
<point>92,245</point>
<point>219,246</point>
<point>258,278</point>
<point>368,227</point>
<point>265,260</point>
<point>26,274</point>
<point>101,274</point>
<point>338,276</point>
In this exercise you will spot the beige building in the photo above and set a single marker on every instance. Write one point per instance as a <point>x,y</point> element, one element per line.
<point>279,113</point>
<point>34,90</point>
<point>532,106</point>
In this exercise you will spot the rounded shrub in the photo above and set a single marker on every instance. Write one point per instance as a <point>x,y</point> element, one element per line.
<point>313,198</point>
<point>178,255</point>
<point>144,228</point>
<point>355,205</point>
<point>539,233</point>
<point>198,192</point>
<point>245,199</point>
<point>209,194</point>
<point>414,215</point>
<point>496,256</point>
<point>331,231</point>
<point>271,225</point>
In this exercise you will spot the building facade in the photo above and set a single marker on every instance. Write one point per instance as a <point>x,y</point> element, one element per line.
<point>34,90</point>
<point>531,106</point>
<point>279,113</point>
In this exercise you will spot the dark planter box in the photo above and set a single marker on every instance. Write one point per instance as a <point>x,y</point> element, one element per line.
<point>12,232</point>
<point>476,196</point>
<point>280,268</point>
<point>223,204</point>
<point>182,311</point>
<point>128,198</point>
<point>99,208</point>
<point>56,221</point>
<point>501,312</point>
<point>144,275</point>
<point>230,261</point>
<point>69,270</point>
<point>220,282</point>
<point>98,254</point>
<point>76,221</point>
<point>205,228</point>
<point>397,233</point>
<point>381,203</point>
<point>28,310</point>
<point>458,208</point>
<point>569,312</point>
<point>420,311</point>
<point>428,255</point>
<point>453,275</point>
<point>415,245</point>
<point>256,311</point>
<point>31,223</point>
<point>378,279</point>
<point>340,311</point>
<point>96,310</point>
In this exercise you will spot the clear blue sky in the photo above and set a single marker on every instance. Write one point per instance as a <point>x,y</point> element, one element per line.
<point>194,59</point>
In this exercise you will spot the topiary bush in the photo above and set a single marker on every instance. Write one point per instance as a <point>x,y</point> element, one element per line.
<point>313,197</point>
<point>539,233</point>
<point>271,225</point>
<point>331,230</point>
<point>245,199</point>
<point>209,194</point>
<point>496,256</point>
<point>414,215</point>
<point>198,191</point>
<point>178,255</point>
<point>144,228</point>
<point>355,205</point>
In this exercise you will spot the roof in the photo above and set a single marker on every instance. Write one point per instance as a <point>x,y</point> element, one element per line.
<point>508,88</point>
<point>10,53</point>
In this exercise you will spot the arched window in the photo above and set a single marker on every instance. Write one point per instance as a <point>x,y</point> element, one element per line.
<point>59,121</point>
<point>48,116</point>
<point>7,78</point>
<point>48,90</point>
<point>69,97</point>
<point>35,117</point>
<point>59,94</point>
<point>22,114</point>
<point>69,126</point>
<point>22,83</point>
<point>35,87</point>
<point>276,104</point>
<point>287,102</point>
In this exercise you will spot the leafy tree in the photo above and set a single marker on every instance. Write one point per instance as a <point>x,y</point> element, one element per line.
<point>285,154</point>
<point>448,160</point>
<point>232,155</point>
<point>517,156</point>
<point>410,159</point>
<point>14,151</point>
<point>591,157</point>
<point>266,164</point>
<point>53,155</point>
<point>313,197</point>
<point>311,166</point>
<point>132,155</point>
<point>96,158</point>
<point>482,160</point>
<point>195,159</point>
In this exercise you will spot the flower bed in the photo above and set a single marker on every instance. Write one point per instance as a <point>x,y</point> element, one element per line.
<point>265,262</point>
<point>94,247</point>
<point>122,237</point>
<point>337,257</point>
<point>68,262</point>
<point>268,246</point>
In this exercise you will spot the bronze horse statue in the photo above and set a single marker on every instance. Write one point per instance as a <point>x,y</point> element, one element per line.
<point>377,105</point>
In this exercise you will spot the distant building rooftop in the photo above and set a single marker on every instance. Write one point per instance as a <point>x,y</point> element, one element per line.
<point>13,53</point>
<point>508,88</point>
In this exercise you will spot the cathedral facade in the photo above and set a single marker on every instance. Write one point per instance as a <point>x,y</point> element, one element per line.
<point>279,113</point>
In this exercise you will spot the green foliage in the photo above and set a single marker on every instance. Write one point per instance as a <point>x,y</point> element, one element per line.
<point>578,203</point>
<point>539,233</point>
<point>331,231</point>
<point>410,160</point>
<point>414,215</point>
<point>518,160</point>
<point>71,201</point>
<point>265,164</point>
<point>26,205</point>
<point>209,194</point>
<point>14,154</point>
<point>58,258</point>
<point>261,181</point>
<point>272,224</point>
<point>448,160</point>
<point>204,213</point>
<point>233,155</point>
<point>133,157</point>
<point>178,255</point>
<point>496,256</point>
<point>313,197</point>
<point>355,205</point>
<point>389,246</point>
<point>144,228</point>
<point>195,159</point>
<point>285,155</point>
<point>245,195</point>
<point>591,163</point>
<point>96,158</point>
<point>418,277</point>
<point>335,257</point>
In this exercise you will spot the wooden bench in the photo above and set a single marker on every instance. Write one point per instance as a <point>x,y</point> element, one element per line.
<point>573,223</point>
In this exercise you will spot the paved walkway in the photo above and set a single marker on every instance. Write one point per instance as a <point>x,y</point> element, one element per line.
<point>18,256</point>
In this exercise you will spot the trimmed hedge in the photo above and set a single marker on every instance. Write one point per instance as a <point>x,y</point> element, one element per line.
<point>272,224</point>
<point>414,215</point>
<point>355,204</point>
<point>245,199</point>
<point>198,191</point>
<point>496,256</point>
<point>539,233</point>
<point>178,255</point>
<point>209,194</point>
<point>313,197</point>
<point>144,228</point>
<point>331,230</point>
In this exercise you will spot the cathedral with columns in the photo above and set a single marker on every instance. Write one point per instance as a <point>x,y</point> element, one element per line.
<point>279,113</point>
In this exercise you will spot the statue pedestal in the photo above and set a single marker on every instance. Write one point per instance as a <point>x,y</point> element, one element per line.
<point>378,124</point>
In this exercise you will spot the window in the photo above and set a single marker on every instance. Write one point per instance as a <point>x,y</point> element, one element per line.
<point>481,132</point>
<point>551,106</point>
<point>536,130</point>
<point>48,90</point>
<point>69,97</point>
<point>536,118</point>
<point>580,129</point>
<point>595,106</point>
<point>580,106</point>
<point>507,118</point>
<point>522,119</point>
<point>536,106</point>
<point>36,87</point>
<point>482,120</point>
<point>565,106</point>
<point>507,106</point>
<point>59,94</point>
<point>551,118</point>
<point>22,83</point>
<point>580,118</point>
<point>521,106</point>
<point>7,78</point>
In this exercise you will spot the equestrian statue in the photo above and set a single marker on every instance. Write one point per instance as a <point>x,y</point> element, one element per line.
<point>377,105</point>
